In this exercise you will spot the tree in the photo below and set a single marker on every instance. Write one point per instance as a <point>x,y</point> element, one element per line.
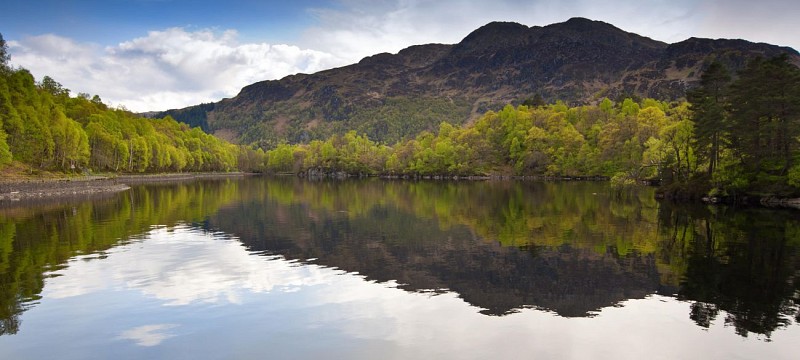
<point>53,87</point>
<point>5,151</point>
<point>534,101</point>
<point>677,139</point>
<point>708,102</point>
<point>607,107</point>
<point>629,107</point>
<point>4,57</point>
<point>281,158</point>
<point>71,144</point>
<point>765,116</point>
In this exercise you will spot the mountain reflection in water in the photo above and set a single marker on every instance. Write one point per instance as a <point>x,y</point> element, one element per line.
<point>572,249</point>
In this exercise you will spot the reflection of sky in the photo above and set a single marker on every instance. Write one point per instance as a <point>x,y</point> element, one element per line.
<point>148,335</point>
<point>183,266</point>
<point>183,294</point>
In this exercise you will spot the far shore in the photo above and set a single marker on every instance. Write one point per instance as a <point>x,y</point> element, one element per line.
<point>55,188</point>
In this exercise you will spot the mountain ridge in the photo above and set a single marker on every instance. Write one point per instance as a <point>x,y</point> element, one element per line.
<point>393,96</point>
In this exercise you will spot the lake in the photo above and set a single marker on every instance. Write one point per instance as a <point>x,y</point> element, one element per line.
<point>282,268</point>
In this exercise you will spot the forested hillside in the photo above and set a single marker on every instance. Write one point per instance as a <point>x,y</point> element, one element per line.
<point>43,128</point>
<point>733,136</point>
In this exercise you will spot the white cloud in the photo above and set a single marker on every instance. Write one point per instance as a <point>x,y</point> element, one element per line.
<point>165,69</point>
<point>182,266</point>
<point>771,21</point>
<point>359,28</point>
<point>148,335</point>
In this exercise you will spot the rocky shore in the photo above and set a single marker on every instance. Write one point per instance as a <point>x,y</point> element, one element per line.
<point>33,189</point>
<point>87,185</point>
<point>793,203</point>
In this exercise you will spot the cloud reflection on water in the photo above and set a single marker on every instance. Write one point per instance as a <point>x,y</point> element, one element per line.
<point>148,335</point>
<point>314,311</point>
<point>183,265</point>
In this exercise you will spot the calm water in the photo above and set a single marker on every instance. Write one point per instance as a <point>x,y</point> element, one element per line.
<point>286,269</point>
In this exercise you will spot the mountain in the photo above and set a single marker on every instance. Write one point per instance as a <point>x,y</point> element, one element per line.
<point>391,96</point>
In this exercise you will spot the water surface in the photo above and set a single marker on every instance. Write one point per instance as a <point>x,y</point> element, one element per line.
<point>290,269</point>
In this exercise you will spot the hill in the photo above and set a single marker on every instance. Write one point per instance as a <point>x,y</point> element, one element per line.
<point>394,96</point>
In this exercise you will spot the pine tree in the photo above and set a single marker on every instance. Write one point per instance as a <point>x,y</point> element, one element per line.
<point>4,57</point>
<point>708,102</point>
<point>765,115</point>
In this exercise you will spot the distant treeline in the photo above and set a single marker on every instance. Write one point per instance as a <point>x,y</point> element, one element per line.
<point>551,140</point>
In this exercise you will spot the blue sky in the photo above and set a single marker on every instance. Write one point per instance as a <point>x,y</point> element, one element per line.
<point>160,54</point>
<point>110,21</point>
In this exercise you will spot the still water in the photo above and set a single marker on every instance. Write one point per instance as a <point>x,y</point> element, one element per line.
<point>282,268</point>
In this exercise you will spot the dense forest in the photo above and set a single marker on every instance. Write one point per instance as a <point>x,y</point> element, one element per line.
<point>747,128</point>
<point>552,140</point>
<point>43,128</point>
<point>731,136</point>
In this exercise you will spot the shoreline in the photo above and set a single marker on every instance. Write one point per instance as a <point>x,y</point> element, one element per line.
<point>57,188</point>
<point>44,189</point>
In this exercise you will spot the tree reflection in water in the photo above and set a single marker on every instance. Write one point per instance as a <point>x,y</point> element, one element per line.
<point>568,248</point>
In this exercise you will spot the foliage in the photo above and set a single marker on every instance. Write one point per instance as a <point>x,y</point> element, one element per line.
<point>552,140</point>
<point>44,128</point>
<point>4,57</point>
<point>794,176</point>
<point>747,130</point>
<point>708,104</point>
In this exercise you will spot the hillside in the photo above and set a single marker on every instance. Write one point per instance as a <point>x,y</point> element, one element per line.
<point>393,96</point>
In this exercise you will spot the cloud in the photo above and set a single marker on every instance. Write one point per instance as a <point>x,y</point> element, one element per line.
<point>177,67</point>
<point>165,69</point>
<point>772,21</point>
<point>148,335</point>
<point>359,28</point>
<point>182,266</point>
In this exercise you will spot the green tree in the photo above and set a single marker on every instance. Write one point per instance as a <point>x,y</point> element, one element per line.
<point>4,56</point>
<point>281,158</point>
<point>765,117</point>
<point>534,101</point>
<point>53,87</point>
<point>5,151</point>
<point>629,107</point>
<point>708,103</point>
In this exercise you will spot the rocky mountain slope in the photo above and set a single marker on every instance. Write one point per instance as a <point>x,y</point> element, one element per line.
<point>391,96</point>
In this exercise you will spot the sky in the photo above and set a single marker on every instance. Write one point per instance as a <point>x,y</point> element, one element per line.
<point>152,55</point>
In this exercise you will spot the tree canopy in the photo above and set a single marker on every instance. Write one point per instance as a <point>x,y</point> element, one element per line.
<point>44,128</point>
<point>748,129</point>
<point>553,140</point>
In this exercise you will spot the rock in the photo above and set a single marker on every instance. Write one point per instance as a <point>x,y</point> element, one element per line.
<point>780,202</point>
